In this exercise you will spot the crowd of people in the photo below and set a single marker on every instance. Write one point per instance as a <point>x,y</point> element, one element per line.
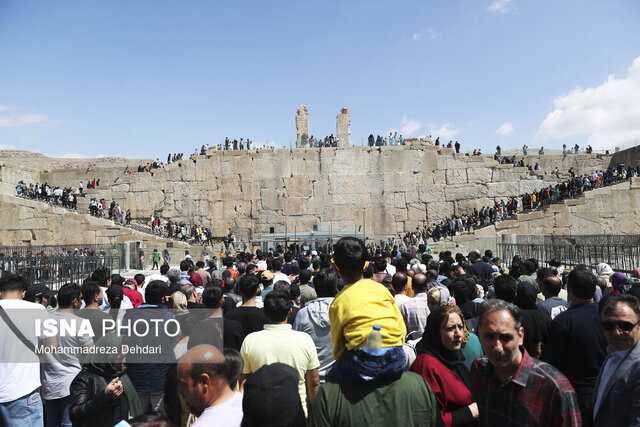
<point>509,208</point>
<point>346,338</point>
<point>382,141</point>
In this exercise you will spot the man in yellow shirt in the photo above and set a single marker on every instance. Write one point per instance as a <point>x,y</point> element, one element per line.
<point>362,304</point>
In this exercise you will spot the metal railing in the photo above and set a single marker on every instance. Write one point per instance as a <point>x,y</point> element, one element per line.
<point>55,271</point>
<point>623,257</point>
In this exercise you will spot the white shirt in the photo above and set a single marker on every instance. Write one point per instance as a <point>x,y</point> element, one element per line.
<point>280,276</point>
<point>227,413</point>
<point>401,299</point>
<point>19,379</point>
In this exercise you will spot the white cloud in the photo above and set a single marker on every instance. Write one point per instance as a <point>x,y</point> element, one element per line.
<point>417,36</point>
<point>500,6</point>
<point>7,147</point>
<point>434,34</point>
<point>505,130</point>
<point>446,131</point>
<point>15,119</point>
<point>609,113</point>
<point>409,126</point>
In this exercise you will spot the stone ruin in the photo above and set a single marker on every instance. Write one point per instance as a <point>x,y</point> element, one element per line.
<point>302,127</point>
<point>343,131</point>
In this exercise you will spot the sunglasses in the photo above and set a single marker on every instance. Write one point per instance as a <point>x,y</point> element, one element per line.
<point>623,326</point>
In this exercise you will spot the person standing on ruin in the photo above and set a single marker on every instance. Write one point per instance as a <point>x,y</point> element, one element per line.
<point>457,146</point>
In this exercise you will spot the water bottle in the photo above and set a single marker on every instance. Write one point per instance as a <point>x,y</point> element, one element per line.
<point>374,340</point>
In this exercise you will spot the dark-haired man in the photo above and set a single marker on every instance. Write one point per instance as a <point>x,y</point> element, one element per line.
<point>92,296</point>
<point>248,314</point>
<point>212,330</point>
<point>511,387</point>
<point>313,318</point>
<point>307,293</point>
<point>204,385</point>
<point>617,390</point>
<point>276,267</point>
<point>57,375</point>
<point>279,343</point>
<point>20,385</point>
<point>575,344</point>
<point>228,271</point>
<point>553,304</point>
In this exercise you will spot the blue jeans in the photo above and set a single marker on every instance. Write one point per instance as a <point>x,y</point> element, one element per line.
<point>23,412</point>
<point>57,411</point>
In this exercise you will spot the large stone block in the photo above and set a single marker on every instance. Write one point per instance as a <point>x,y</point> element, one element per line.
<point>437,211</point>
<point>464,192</point>
<point>456,176</point>
<point>479,175</point>
<point>298,186</point>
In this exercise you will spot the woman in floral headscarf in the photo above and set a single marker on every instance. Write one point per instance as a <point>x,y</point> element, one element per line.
<point>441,363</point>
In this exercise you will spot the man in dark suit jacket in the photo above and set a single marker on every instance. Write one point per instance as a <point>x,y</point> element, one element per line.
<point>617,391</point>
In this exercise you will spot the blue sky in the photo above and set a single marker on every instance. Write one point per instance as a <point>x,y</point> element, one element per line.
<point>145,78</point>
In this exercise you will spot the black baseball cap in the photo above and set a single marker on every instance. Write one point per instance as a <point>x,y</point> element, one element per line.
<point>35,291</point>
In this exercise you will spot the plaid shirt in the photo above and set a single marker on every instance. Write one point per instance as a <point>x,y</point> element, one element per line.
<point>537,395</point>
<point>415,312</point>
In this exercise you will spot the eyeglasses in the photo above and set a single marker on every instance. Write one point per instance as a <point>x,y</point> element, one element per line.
<point>622,325</point>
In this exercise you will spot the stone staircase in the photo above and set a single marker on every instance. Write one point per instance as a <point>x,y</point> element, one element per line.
<point>483,238</point>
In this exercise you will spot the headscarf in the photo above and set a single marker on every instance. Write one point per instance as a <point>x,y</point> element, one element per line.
<point>603,269</point>
<point>440,294</point>
<point>431,343</point>
<point>103,363</point>
<point>526,296</point>
<point>620,283</point>
<point>636,273</point>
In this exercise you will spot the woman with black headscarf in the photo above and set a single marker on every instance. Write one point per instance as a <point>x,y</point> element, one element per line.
<point>102,393</point>
<point>441,364</point>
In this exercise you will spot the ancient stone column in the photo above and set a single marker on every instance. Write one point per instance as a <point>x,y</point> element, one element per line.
<point>343,133</point>
<point>302,127</point>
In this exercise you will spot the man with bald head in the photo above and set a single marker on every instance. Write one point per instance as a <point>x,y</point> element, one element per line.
<point>553,304</point>
<point>416,310</point>
<point>203,382</point>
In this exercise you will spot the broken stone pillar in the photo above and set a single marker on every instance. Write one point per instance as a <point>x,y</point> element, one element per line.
<point>302,127</point>
<point>343,133</point>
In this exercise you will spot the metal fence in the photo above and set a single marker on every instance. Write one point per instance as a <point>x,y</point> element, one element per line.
<point>55,271</point>
<point>621,257</point>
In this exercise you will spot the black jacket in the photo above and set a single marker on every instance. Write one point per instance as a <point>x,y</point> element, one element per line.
<point>89,405</point>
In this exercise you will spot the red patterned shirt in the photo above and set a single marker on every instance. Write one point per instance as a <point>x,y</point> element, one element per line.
<point>537,395</point>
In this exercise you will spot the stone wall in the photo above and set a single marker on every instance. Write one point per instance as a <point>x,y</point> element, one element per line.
<point>28,222</point>
<point>628,157</point>
<point>383,190</point>
<point>608,210</point>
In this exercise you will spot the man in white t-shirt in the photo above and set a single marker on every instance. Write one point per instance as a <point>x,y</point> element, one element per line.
<point>203,383</point>
<point>19,365</point>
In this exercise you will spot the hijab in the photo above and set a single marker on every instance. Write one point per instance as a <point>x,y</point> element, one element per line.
<point>104,364</point>
<point>431,344</point>
<point>603,269</point>
<point>620,283</point>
